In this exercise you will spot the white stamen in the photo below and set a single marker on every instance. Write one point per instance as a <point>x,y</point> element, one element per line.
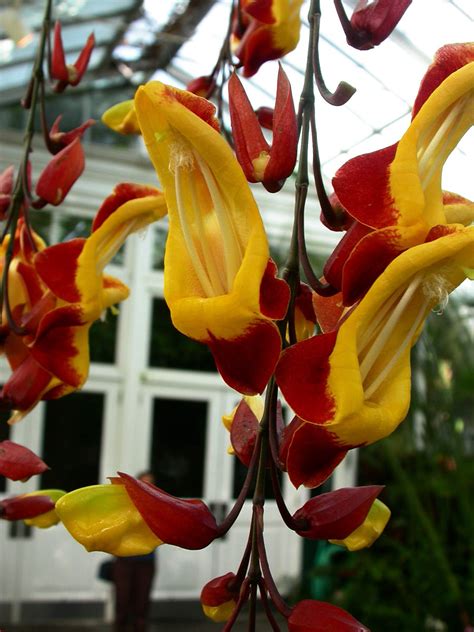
<point>386,331</point>
<point>112,244</point>
<point>213,270</point>
<point>437,288</point>
<point>231,247</point>
<point>188,240</point>
<point>370,389</point>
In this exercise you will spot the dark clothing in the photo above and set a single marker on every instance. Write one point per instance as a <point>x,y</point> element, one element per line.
<point>133,577</point>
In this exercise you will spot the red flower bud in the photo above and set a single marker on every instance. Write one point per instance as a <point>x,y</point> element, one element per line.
<point>259,162</point>
<point>19,463</point>
<point>6,188</point>
<point>265,116</point>
<point>61,173</point>
<point>317,616</point>
<point>373,22</point>
<point>218,600</point>
<point>202,86</point>
<point>22,507</point>
<point>336,514</point>
<point>67,74</point>
<point>243,432</point>
<point>185,523</point>
<point>62,139</point>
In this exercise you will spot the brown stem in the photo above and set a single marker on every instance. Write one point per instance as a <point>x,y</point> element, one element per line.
<point>243,596</point>
<point>266,606</point>
<point>277,599</point>
<point>344,91</point>
<point>232,516</point>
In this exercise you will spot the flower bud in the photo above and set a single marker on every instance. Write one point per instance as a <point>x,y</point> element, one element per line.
<point>317,616</point>
<point>217,599</point>
<point>372,527</point>
<point>49,518</point>
<point>19,463</point>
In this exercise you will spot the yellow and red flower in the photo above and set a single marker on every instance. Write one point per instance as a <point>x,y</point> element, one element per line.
<point>133,517</point>
<point>394,194</point>
<point>220,284</point>
<point>56,293</point>
<point>351,386</point>
<point>265,30</point>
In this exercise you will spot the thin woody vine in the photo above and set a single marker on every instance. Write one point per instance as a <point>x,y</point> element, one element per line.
<point>334,343</point>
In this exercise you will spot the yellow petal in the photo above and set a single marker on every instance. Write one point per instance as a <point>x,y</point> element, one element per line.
<point>219,613</point>
<point>49,518</point>
<point>371,529</point>
<point>122,118</point>
<point>103,518</point>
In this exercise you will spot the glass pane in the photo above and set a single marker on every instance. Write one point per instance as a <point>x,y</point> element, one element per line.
<point>102,337</point>
<point>169,348</point>
<point>4,435</point>
<point>178,446</point>
<point>72,227</point>
<point>240,472</point>
<point>71,441</point>
<point>159,241</point>
<point>41,223</point>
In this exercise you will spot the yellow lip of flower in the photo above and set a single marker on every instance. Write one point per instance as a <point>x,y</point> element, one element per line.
<point>217,251</point>
<point>365,392</point>
<point>371,529</point>
<point>50,518</point>
<point>219,613</point>
<point>122,118</point>
<point>415,173</point>
<point>103,518</point>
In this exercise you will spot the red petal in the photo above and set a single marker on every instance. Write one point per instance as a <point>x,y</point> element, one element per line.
<point>216,592</point>
<point>58,60</point>
<point>285,133</point>
<point>310,453</point>
<point>447,60</point>
<point>6,180</point>
<point>61,173</point>
<point>362,186</point>
<point>317,616</point>
<point>256,48</point>
<point>65,138</point>
<point>329,310</point>
<point>185,523</point>
<point>26,385</point>
<point>274,293</point>
<point>82,61</point>
<point>56,344</point>
<point>199,106</point>
<point>335,263</point>
<point>379,18</point>
<point>337,514</point>
<point>57,266</point>
<point>246,363</point>
<point>243,432</point>
<point>122,193</point>
<point>367,261</point>
<point>248,137</point>
<point>302,374</point>
<point>261,10</point>
<point>202,86</point>
<point>265,117</point>
<point>19,463</point>
<point>21,507</point>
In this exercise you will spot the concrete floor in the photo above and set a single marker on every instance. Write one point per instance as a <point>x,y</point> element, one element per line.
<point>166,617</point>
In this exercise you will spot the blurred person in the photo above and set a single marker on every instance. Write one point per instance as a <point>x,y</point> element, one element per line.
<point>133,578</point>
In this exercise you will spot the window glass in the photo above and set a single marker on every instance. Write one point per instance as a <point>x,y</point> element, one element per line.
<point>169,348</point>
<point>178,446</point>
<point>160,233</point>
<point>41,220</point>
<point>73,226</point>
<point>240,472</point>
<point>102,339</point>
<point>71,440</point>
